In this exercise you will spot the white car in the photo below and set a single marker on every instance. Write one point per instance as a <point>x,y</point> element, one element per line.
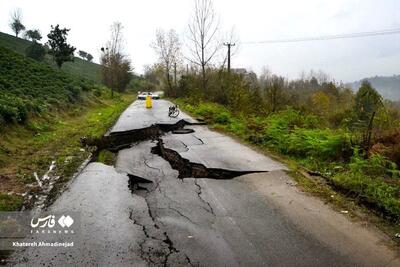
<point>143,95</point>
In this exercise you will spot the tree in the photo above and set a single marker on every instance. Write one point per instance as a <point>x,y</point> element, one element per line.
<point>154,73</point>
<point>321,102</point>
<point>203,31</point>
<point>89,57</point>
<point>35,51</point>
<point>116,66</point>
<point>85,55</point>
<point>274,90</point>
<point>59,48</point>
<point>16,23</point>
<point>167,47</point>
<point>82,54</point>
<point>368,103</point>
<point>33,35</point>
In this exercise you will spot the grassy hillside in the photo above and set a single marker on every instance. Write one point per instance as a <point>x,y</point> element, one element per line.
<point>43,114</point>
<point>387,86</point>
<point>80,67</point>
<point>29,87</point>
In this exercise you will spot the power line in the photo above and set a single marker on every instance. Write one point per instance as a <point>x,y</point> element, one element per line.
<point>329,37</point>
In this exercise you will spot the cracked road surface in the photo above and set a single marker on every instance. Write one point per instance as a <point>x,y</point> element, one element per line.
<point>148,210</point>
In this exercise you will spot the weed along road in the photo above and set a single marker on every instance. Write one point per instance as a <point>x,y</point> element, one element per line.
<point>198,198</point>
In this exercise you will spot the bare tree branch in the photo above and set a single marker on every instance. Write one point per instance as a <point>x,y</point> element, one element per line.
<point>203,30</point>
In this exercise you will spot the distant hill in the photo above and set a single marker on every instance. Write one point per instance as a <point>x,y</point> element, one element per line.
<point>83,68</point>
<point>387,86</point>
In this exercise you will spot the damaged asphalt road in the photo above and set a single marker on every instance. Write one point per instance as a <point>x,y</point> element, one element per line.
<point>198,199</point>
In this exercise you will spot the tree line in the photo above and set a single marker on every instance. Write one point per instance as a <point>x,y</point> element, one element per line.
<point>205,78</point>
<point>116,70</point>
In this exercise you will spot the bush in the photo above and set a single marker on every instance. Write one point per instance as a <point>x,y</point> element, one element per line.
<point>323,144</point>
<point>374,190</point>
<point>97,92</point>
<point>12,108</point>
<point>35,51</point>
<point>10,202</point>
<point>75,92</point>
<point>375,166</point>
<point>280,125</point>
<point>223,118</point>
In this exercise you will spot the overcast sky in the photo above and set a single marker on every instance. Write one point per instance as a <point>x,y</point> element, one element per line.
<point>253,20</point>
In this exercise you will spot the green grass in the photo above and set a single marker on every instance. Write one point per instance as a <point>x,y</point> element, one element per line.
<point>25,149</point>
<point>10,202</point>
<point>303,139</point>
<point>13,43</point>
<point>44,112</point>
<point>106,157</point>
<point>79,67</point>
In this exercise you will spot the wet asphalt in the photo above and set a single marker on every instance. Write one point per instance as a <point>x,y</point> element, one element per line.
<point>139,213</point>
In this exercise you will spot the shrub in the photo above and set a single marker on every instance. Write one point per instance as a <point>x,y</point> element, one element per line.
<point>35,51</point>
<point>324,144</point>
<point>374,190</point>
<point>223,118</point>
<point>280,125</point>
<point>376,165</point>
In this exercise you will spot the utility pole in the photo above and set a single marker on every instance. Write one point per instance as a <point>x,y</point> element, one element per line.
<point>175,73</point>
<point>229,54</point>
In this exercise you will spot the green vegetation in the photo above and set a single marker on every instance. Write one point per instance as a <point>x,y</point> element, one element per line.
<point>350,140</point>
<point>79,67</point>
<point>28,87</point>
<point>387,86</point>
<point>43,114</point>
<point>106,157</point>
<point>59,49</point>
<point>25,149</point>
<point>10,202</point>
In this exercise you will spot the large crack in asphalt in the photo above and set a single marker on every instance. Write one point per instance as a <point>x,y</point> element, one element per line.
<point>188,169</point>
<point>116,141</point>
<point>157,248</point>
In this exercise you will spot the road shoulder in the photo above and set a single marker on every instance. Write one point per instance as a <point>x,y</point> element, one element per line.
<point>357,239</point>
